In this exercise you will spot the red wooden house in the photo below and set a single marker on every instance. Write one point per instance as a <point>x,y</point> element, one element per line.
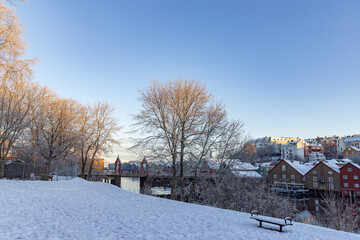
<point>350,182</point>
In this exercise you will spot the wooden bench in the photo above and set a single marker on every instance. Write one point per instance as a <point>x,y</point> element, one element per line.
<point>276,221</point>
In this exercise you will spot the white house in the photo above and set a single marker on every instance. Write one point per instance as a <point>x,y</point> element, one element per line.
<point>316,156</point>
<point>293,151</point>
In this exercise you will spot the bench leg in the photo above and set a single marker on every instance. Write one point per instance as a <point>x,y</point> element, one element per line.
<point>280,228</point>
<point>260,223</point>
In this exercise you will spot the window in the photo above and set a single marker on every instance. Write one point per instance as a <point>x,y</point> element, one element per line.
<point>356,176</point>
<point>292,176</point>
<point>314,179</point>
<point>275,175</point>
<point>345,191</point>
<point>284,176</point>
<point>346,185</point>
<point>314,172</point>
<point>317,208</point>
<point>358,192</point>
<point>330,172</point>
<point>349,169</point>
<point>283,167</point>
<point>345,176</point>
<point>315,185</point>
<point>331,179</point>
<point>331,186</point>
<point>356,185</point>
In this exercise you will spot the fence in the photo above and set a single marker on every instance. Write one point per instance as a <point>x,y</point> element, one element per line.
<point>18,169</point>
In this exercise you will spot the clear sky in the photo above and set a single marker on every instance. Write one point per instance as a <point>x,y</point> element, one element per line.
<point>285,68</point>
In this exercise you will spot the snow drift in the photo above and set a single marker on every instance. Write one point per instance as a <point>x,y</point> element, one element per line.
<point>78,209</point>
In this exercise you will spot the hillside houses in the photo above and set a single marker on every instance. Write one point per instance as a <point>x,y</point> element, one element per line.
<point>301,149</point>
<point>352,141</point>
<point>271,145</point>
<point>293,150</point>
<point>352,152</point>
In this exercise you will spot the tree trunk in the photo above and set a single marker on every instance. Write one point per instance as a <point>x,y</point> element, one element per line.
<point>192,188</point>
<point>182,147</point>
<point>90,169</point>
<point>83,170</point>
<point>173,180</point>
<point>2,168</point>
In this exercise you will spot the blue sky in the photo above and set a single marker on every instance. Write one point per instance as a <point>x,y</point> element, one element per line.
<point>285,68</point>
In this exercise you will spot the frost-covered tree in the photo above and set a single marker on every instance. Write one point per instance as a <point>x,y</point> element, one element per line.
<point>17,93</point>
<point>103,134</point>
<point>245,194</point>
<point>338,213</point>
<point>175,116</point>
<point>54,131</point>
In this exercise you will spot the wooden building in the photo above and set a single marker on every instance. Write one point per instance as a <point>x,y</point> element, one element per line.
<point>350,182</point>
<point>352,152</point>
<point>325,175</point>
<point>288,171</point>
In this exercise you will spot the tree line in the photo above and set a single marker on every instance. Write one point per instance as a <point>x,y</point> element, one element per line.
<point>36,123</point>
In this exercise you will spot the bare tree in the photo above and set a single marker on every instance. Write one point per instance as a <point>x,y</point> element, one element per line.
<point>54,132</point>
<point>210,131</point>
<point>85,142</point>
<point>158,126</point>
<point>189,101</point>
<point>17,93</point>
<point>173,116</point>
<point>105,128</point>
<point>245,195</point>
<point>338,213</point>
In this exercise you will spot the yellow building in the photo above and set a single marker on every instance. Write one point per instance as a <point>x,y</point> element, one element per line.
<point>98,165</point>
<point>351,152</point>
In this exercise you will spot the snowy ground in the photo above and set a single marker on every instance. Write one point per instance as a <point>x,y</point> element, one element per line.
<point>77,209</point>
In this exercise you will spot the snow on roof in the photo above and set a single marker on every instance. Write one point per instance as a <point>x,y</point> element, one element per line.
<point>298,166</point>
<point>354,164</point>
<point>352,139</point>
<point>243,166</point>
<point>247,174</point>
<point>213,163</point>
<point>291,143</point>
<point>355,148</point>
<point>314,144</point>
<point>14,161</point>
<point>236,164</point>
<point>333,164</point>
<point>345,160</point>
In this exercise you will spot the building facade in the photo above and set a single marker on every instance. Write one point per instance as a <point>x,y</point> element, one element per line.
<point>312,147</point>
<point>293,151</point>
<point>352,141</point>
<point>352,153</point>
<point>350,182</point>
<point>316,157</point>
<point>288,171</point>
<point>323,176</point>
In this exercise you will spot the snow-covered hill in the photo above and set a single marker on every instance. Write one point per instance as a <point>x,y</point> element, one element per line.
<point>78,209</point>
